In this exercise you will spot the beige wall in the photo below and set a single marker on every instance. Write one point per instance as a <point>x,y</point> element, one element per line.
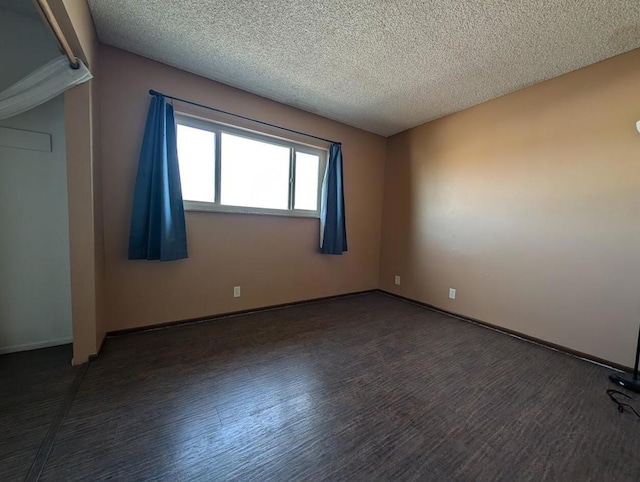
<point>80,17</point>
<point>82,125</point>
<point>528,205</point>
<point>274,259</point>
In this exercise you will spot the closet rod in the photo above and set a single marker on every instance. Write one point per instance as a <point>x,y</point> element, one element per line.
<point>57,31</point>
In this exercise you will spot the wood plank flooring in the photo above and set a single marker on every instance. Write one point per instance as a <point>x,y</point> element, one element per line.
<point>361,388</point>
<point>33,386</point>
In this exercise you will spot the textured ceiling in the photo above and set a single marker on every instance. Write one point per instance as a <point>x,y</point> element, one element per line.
<point>381,65</point>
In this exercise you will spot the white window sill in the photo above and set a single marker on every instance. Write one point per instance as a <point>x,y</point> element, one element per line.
<point>219,208</point>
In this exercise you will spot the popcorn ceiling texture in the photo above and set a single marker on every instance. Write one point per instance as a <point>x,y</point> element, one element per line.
<point>383,66</point>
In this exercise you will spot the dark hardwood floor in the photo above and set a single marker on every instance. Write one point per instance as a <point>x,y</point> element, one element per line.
<point>33,386</point>
<point>360,388</point>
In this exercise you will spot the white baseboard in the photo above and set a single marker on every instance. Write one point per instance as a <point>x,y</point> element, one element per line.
<point>34,346</point>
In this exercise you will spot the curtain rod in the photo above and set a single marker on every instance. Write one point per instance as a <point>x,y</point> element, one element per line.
<point>74,63</point>
<point>154,92</point>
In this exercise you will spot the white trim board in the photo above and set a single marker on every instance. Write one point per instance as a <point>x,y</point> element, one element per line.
<point>34,346</point>
<point>21,139</point>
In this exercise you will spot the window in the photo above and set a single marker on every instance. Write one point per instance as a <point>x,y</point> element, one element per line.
<point>233,170</point>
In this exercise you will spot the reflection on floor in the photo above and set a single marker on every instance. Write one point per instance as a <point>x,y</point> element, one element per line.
<point>367,387</point>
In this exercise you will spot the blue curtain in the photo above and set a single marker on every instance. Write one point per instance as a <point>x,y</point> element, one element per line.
<point>157,220</point>
<point>333,228</point>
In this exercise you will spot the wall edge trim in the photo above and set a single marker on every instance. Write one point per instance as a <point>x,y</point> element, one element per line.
<point>96,355</point>
<point>35,346</point>
<point>516,334</point>
<point>229,314</point>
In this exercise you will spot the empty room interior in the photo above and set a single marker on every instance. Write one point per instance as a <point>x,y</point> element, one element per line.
<point>329,240</point>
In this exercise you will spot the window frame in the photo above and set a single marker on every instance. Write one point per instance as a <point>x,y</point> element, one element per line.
<point>218,128</point>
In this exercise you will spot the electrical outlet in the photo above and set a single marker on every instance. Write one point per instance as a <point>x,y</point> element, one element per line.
<point>398,280</point>
<point>452,293</point>
<point>236,292</point>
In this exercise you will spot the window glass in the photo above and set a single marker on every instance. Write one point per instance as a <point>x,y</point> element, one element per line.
<point>196,158</point>
<point>306,185</point>
<point>257,173</point>
<point>254,173</point>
